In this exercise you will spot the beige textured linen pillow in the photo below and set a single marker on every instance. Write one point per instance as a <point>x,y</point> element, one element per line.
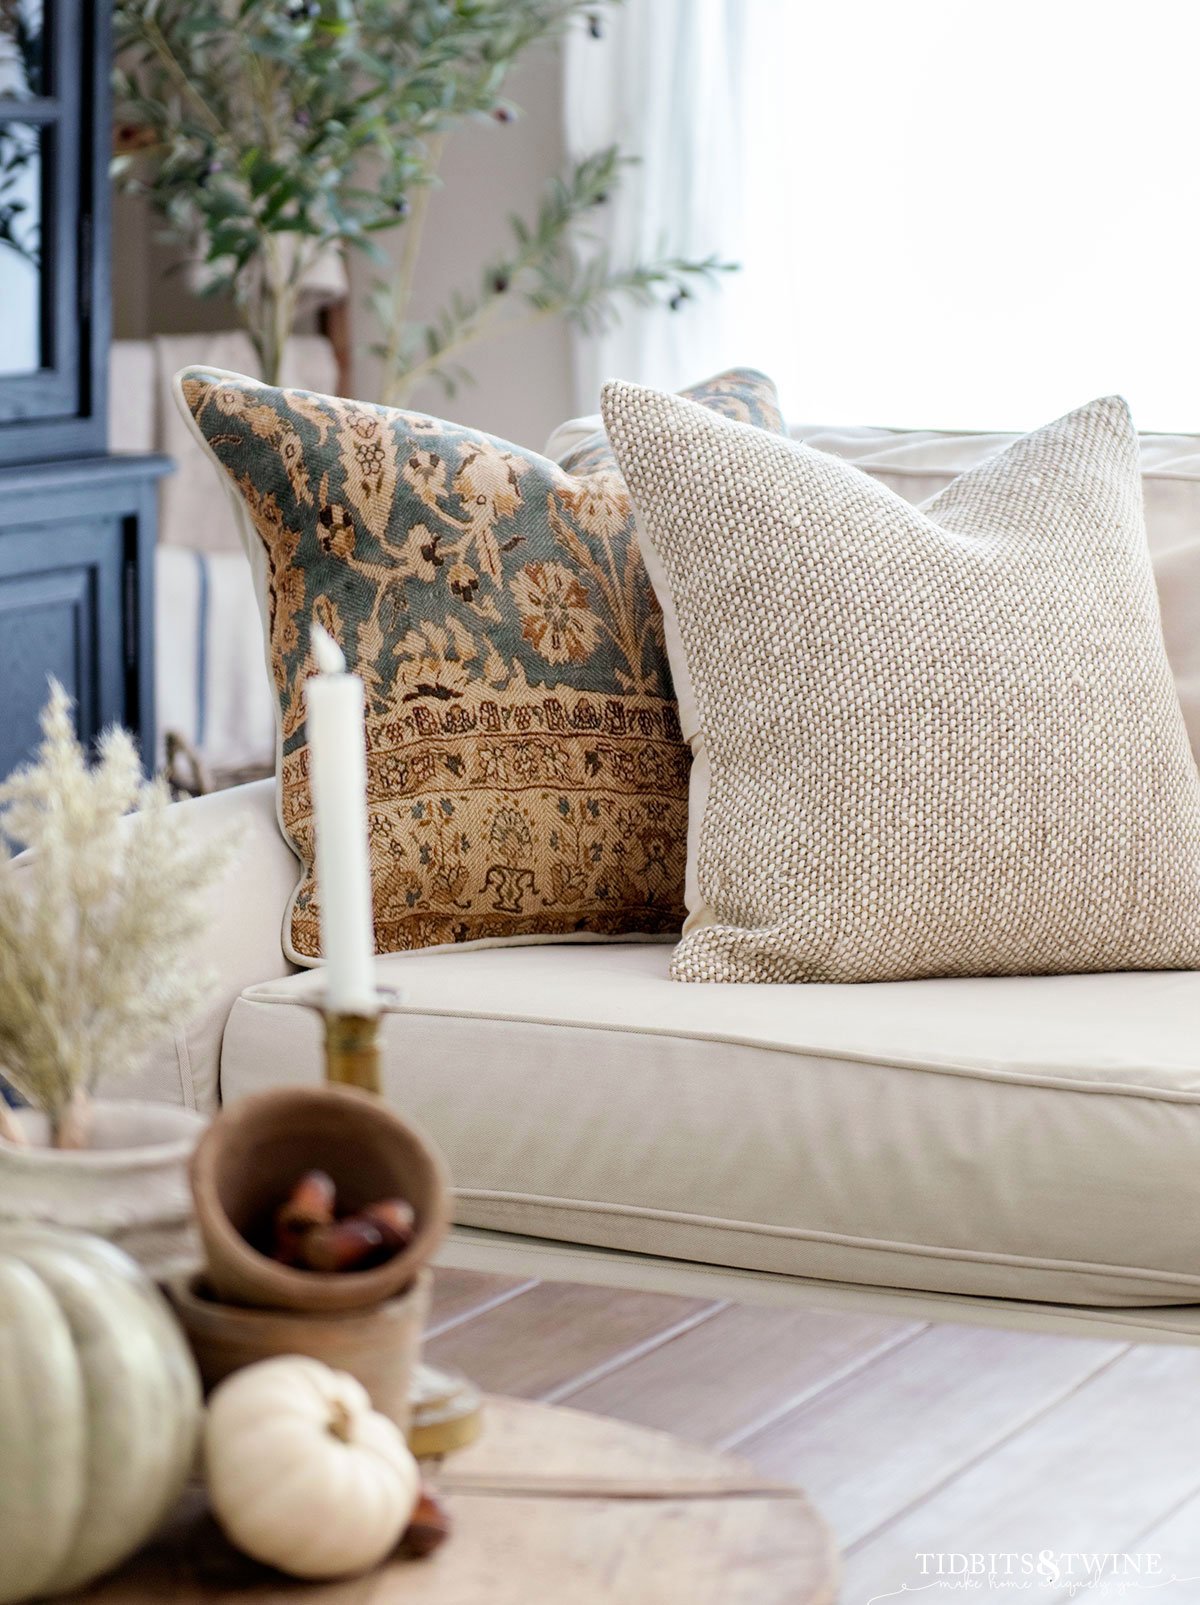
<point>940,740</point>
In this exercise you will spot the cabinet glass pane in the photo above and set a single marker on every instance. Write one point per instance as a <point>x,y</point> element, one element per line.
<point>21,35</point>
<point>20,248</point>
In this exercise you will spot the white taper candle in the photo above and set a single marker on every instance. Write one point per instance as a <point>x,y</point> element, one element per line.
<point>337,761</point>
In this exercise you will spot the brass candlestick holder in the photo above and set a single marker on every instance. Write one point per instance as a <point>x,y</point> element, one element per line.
<point>352,1050</point>
<point>446,1409</point>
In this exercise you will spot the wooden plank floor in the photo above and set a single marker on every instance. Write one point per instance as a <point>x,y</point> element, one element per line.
<point>911,1438</point>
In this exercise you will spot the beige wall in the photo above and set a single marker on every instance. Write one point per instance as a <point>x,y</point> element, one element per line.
<point>522,386</point>
<point>523,382</point>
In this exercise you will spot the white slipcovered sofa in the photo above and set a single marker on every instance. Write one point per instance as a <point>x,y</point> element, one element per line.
<point>1018,1150</point>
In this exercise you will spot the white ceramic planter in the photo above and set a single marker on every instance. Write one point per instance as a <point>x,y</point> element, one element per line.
<point>130,1186</point>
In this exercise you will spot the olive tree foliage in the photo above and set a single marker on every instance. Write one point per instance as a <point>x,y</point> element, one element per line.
<point>267,131</point>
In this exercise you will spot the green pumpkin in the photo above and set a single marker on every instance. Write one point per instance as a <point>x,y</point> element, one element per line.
<point>99,1410</point>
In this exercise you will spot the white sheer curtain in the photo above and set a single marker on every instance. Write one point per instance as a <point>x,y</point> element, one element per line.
<point>948,214</point>
<point>662,82</point>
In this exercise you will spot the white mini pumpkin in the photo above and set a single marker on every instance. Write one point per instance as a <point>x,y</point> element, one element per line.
<point>303,1473</point>
<point>99,1410</point>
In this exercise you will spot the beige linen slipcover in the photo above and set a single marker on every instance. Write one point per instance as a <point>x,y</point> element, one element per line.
<point>1024,1138</point>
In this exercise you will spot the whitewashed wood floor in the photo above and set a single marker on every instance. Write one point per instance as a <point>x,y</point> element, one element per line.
<point>909,1437</point>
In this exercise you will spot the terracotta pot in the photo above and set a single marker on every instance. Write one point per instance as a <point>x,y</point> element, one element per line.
<point>129,1186</point>
<point>380,1346</point>
<point>253,1154</point>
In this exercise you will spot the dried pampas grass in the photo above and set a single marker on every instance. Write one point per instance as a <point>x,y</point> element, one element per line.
<point>97,921</point>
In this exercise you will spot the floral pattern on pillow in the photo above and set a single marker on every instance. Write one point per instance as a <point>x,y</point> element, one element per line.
<point>526,773</point>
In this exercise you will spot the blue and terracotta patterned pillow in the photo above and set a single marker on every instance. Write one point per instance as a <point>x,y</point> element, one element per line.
<point>527,778</point>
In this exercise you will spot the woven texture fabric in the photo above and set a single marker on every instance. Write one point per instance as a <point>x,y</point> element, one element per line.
<point>527,777</point>
<point>942,741</point>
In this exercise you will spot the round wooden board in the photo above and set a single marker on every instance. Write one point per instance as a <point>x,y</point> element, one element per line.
<point>550,1505</point>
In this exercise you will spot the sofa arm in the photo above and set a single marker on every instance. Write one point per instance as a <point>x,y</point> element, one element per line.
<point>240,945</point>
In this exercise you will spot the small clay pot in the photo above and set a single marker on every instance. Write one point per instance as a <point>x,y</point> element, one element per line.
<point>250,1158</point>
<point>380,1346</point>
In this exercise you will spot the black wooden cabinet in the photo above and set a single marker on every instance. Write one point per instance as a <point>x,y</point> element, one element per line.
<point>77,527</point>
<point>76,597</point>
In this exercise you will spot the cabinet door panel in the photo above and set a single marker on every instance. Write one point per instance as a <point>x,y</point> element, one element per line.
<point>45,629</point>
<point>61,613</point>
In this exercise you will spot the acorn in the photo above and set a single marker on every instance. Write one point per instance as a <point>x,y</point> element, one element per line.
<point>310,1203</point>
<point>287,1245</point>
<point>429,1528</point>
<point>395,1218</point>
<point>343,1246</point>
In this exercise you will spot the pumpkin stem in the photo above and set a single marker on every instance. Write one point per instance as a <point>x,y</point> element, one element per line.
<point>339,1420</point>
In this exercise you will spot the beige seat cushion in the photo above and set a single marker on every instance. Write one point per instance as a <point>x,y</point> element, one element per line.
<point>1031,1138</point>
